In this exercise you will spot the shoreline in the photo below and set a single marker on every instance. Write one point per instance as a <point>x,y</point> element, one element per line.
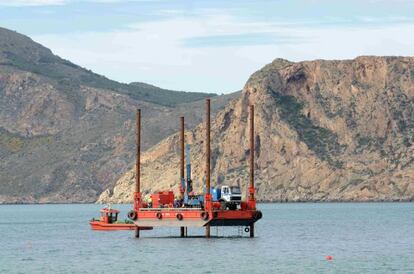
<point>260,202</point>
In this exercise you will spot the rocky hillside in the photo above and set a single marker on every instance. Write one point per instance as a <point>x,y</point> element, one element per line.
<point>325,131</point>
<point>66,133</point>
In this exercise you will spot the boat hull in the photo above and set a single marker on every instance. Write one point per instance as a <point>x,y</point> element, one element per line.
<point>98,225</point>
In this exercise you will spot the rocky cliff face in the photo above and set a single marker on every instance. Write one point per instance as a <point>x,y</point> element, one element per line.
<point>325,131</point>
<point>66,134</point>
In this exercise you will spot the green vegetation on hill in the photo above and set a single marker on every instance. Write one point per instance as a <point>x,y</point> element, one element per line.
<point>13,143</point>
<point>21,52</point>
<point>65,135</point>
<point>320,140</point>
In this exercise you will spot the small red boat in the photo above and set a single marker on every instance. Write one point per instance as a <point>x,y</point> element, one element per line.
<point>109,221</point>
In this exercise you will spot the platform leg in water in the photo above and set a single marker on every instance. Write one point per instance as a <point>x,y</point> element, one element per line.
<point>182,232</point>
<point>251,230</point>
<point>207,231</point>
<point>137,232</point>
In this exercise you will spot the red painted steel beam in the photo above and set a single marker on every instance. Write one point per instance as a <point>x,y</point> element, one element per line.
<point>137,194</point>
<point>182,140</point>
<point>252,201</point>
<point>138,155</point>
<point>207,199</point>
<point>208,149</point>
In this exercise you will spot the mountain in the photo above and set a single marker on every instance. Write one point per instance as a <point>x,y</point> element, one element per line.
<point>325,131</point>
<point>66,133</point>
<point>20,52</point>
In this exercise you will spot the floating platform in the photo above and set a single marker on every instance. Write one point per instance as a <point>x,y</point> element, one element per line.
<point>165,211</point>
<point>194,217</point>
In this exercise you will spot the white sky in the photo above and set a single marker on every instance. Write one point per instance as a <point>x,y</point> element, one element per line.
<point>214,49</point>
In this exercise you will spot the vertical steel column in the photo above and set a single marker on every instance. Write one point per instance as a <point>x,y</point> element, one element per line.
<point>207,202</point>
<point>251,188</point>
<point>182,233</point>
<point>182,141</point>
<point>137,194</point>
<point>138,155</point>
<point>251,197</point>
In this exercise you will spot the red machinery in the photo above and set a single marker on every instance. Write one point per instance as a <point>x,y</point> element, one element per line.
<point>210,213</point>
<point>162,199</point>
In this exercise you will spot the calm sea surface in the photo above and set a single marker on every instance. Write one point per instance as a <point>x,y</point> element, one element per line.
<point>291,238</point>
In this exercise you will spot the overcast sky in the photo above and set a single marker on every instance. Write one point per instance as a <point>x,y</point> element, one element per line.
<point>210,46</point>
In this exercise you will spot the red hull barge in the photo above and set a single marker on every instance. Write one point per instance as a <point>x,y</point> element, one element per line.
<point>195,217</point>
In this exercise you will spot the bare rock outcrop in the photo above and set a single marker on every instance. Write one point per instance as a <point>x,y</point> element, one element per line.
<point>66,133</point>
<point>325,131</point>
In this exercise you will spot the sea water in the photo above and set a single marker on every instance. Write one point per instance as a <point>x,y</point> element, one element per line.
<point>291,238</point>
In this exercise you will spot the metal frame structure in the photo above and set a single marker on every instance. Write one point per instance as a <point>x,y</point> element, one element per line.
<point>211,213</point>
